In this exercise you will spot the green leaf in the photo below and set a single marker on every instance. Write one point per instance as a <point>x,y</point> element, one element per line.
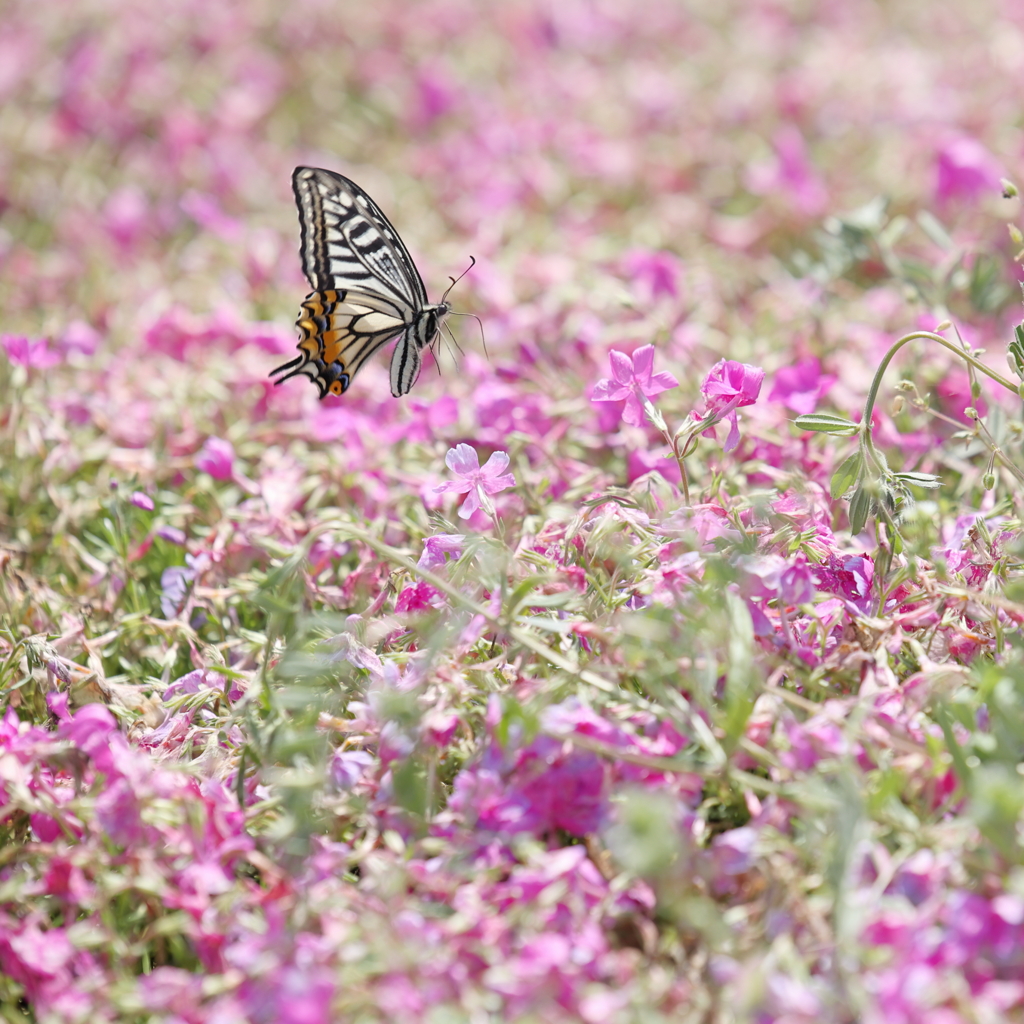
<point>846,475</point>
<point>919,479</point>
<point>827,423</point>
<point>859,505</point>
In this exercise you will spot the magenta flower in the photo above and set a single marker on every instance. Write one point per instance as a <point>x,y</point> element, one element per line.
<point>29,351</point>
<point>800,386</point>
<point>216,457</point>
<point>964,169</point>
<point>728,387</point>
<point>633,380</point>
<point>143,501</point>
<point>475,481</point>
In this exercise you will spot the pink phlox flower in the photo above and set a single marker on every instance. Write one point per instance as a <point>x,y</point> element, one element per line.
<point>796,585</point>
<point>789,172</point>
<point>347,648</point>
<point>964,168</point>
<point>656,272</point>
<point>799,387</point>
<point>80,337</point>
<point>633,379</point>
<point>732,852</point>
<point>208,214</point>
<point>850,577</point>
<point>419,596</point>
<point>476,481</point>
<point>730,386</point>
<point>34,352</point>
<point>216,457</point>
<point>437,547</point>
<point>349,767</point>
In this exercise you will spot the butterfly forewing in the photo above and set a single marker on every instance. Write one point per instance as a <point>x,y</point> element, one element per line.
<point>347,241</point>
<point>366,288</point>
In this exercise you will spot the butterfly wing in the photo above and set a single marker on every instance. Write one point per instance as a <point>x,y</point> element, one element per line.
<point>348,244</point>
<point>367,289</point>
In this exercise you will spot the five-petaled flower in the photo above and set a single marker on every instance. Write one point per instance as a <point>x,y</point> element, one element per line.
<point>479,481</point>
<point>728,387</point>
<point>634,381</point>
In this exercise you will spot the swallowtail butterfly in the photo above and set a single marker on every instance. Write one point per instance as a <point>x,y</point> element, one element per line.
<point>366,288</point>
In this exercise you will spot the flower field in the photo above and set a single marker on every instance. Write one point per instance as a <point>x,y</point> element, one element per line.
<point>658,658</point>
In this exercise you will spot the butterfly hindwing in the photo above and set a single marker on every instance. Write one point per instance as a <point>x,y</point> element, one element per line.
<point>366,288</point>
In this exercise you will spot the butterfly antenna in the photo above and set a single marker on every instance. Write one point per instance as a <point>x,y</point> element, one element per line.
<point>456,280</point>
<point>454,339</point>
<point>480,324</point>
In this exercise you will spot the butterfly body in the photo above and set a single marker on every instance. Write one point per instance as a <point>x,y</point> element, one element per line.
<point>366,288</point>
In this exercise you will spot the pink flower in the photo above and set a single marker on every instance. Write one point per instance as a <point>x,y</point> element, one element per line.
<point>790,173</point>
<point>476,482</point>
<point>796,585</point>
<point>80,337</point>
<point>207,213</point>
<point>143,501</point>
<point>656,273</point>
<point>800,386</point>
<point>963,169</point>
<point>728,387</point>
<point>216,457</point>
<point>633,380</point>
<point>29,351</point>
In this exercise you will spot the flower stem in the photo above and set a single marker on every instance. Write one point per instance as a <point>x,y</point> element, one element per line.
<point>869,405</point>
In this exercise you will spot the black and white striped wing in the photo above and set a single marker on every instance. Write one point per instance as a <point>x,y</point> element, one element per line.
<point>366,288</point>
<point>349,245</point>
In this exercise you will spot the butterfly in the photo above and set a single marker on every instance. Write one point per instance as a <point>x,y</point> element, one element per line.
<point>366,288</point>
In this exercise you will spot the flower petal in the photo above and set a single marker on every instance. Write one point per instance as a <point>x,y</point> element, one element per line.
<point>643,364</point>
<point>495,465</point>
<point>470,505</point>
<point>634,411</point>
<point>498,483</point>
<point>734,432</point>
<point>462,459</point>
<point>660,382</point>
<point>609,391</point>
<point>456,486</point>
<point>622,366</point>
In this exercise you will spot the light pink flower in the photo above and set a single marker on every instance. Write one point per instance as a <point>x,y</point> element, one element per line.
<point>633,379</point>
<point>730,386</point>
<point>216,457</point>
<point>475,481</point>
<point>790,173</point>
<point>655,273</point>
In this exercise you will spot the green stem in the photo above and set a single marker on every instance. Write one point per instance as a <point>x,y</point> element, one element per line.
<point>869,405</point>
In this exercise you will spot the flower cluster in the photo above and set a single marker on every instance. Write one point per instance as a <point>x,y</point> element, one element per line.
<point>658,658</point>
